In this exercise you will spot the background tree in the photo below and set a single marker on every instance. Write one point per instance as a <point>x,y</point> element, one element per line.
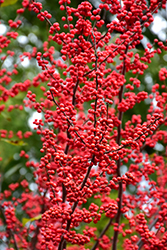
<point>90,173</point>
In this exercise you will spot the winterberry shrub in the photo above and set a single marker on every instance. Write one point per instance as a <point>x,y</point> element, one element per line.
<point>100,178</point>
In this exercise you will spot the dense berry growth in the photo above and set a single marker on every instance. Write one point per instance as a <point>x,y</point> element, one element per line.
<point>97,183</point>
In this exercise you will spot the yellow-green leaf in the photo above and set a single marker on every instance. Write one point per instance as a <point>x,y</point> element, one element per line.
<point>15,143</point>
<point>25,220</point>
<point>8,2</point>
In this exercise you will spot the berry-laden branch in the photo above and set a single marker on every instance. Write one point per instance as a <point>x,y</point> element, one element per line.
<point>11,233</point>
<point>140,243</point>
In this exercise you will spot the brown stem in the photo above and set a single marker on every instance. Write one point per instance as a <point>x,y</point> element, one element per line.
<point>35,239</point>
<point>74,92</point>
<point>64,192</point>
<point>102,233</point>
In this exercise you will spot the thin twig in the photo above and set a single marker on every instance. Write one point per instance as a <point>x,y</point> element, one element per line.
<point>102,233</point>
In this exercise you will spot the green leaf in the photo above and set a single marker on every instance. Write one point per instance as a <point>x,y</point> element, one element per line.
<point>25,220</point>
<point>15,143</point>
<point>8,2</point>
<point>12,171</point>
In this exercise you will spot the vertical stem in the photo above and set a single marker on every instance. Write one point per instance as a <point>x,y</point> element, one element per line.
<point>120,191</point>
<point>34,239</point>
<point>64,193</point>
<point>118,216</point>
<point>62,243</point>
<point>95,119</point>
